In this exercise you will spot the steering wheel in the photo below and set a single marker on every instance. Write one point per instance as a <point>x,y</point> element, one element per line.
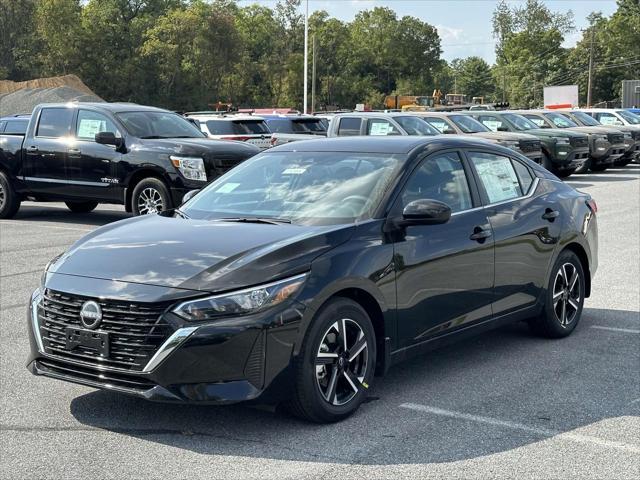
<point>354,203</point>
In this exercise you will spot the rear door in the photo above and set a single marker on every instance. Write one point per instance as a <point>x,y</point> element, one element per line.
<point>526,224</point>
<point>46,151</point>
<point>91,167</point>
<point>444,276</point>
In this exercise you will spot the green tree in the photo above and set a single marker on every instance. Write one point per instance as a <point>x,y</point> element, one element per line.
<point>473,77</point>
<point>16,38</point>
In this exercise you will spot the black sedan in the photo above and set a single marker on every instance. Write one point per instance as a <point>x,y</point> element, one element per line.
<point>305,271</point>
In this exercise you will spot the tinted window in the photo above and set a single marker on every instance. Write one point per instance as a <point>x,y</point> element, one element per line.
<point>380,127</point>
<point>154,124</point>
<point>55,122</point>
<point>520,122</point>
<point>540,122</point>
<point>439,178</point>
<point>438,123</point>
<point>220,127</point>
<point>468,124</point>
<point>524,176</point>
<point>349,126</point>
<point>89,123</point>
<point>560,121</point>
<point>313,125</point>
<point>585,119</point>
<point>416,126</point>
<point>252,127</point>
<point>630,117</point>
<point>16,127</point>
<point>2,125</point>
<point>280,125</point>
<point>497,176</point>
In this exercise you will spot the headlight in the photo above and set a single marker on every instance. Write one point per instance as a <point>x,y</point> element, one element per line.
<point>191,168</point>
<point>242,302</point>
<point>562,141</point>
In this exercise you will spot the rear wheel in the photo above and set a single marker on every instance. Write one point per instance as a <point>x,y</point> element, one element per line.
<point>150,196</point>
<point>584,168</point>
<point>9,199</point>
<point>81,207</point>
<point>564,298</point>
<point>337,363</point>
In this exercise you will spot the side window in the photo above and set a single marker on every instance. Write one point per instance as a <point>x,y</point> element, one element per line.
<point>89,123</point>
<point>2,124</point>
<point>349,126</point>
<point>442,178</point>
<point>437,123</point>
<point>16,127</point>
<point>55,122</point>
<point>381,127</point>
<point>524,176</point>
<point>491,122</point>
<point>537,120</point>
<point>497,175</point>
<point>607,118</point>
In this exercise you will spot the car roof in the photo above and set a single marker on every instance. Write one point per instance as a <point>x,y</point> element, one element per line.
<point>369,144</point>
<point>112,107</point>
<point>289,116</point>
<point>21,116</point>
<point>230,118</point>
<point>377,114</point>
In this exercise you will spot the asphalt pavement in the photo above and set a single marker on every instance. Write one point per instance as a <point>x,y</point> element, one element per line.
<point>505,404</point>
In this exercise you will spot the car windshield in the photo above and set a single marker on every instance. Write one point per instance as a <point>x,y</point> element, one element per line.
<point>468,124</point>
<point>586,119</point>
<point>416,126</point>
<point>560,121</point>
<point>519,122</point>
<point>326,188</point>
<point>629,117</point>
<point>158,125</point>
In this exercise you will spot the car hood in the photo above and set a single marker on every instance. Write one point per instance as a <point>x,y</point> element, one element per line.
<point>512,136</point>
<point>556,132</point>
<point>589,130</point>
<point>203,255</point>
<point>194,146</point>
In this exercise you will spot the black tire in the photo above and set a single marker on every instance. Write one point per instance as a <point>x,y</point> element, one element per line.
<point>351,377</point>
<point>584,168</point>
<point>81,207</point>
<point>599,168</point>
<point>150,196</point>
<point>546,162</point>
<point>9,199</point>
<point>565,172</point>
<point>562,293</point>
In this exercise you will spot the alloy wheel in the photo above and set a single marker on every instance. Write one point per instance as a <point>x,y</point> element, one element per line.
<point>567,294</point>
<point>2,196</point>
<point>150,201</point>
<point>341,362</point>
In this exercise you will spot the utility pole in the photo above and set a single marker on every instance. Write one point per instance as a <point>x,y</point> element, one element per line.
<point>313,74</point>
<point>306,55</point>
<point>589,89</point>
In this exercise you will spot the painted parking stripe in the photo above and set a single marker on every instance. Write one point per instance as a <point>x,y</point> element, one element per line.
<point>543,432</point>
<point>41,225</point>
<point>615,329</point>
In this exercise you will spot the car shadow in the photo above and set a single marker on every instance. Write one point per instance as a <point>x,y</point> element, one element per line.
<point>552,386</point>
<point>60,214</point>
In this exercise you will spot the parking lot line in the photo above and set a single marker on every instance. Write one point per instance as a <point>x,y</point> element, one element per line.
<point>40,225</point>
<point>615,329</point>
<point>543,432</point>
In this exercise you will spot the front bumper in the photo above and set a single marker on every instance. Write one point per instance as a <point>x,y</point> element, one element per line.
<point>226,361</point>
<point>574,157</point>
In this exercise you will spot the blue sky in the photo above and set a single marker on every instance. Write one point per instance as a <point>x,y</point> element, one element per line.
<point>464,25</point>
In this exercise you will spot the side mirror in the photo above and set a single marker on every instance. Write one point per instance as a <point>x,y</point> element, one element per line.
<point>108,138</point>
<point>503,129</point>
<point>189,195</point>
<point>425,212</point>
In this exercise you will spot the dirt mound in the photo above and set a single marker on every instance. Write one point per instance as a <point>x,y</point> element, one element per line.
<point>22,97</point>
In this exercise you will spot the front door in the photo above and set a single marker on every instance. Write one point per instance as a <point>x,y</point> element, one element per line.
<point>46,152</point>
<point>444,272</point>
<point>91,166</point>
<point>526,223</point>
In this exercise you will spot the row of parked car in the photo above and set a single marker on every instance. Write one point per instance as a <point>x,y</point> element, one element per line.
<point>148,159</point>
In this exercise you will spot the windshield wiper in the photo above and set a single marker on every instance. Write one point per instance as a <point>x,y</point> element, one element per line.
<point>267,220</point>
<point>152,137</point>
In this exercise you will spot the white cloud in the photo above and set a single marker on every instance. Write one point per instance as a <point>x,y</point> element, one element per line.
<point>448,34</point>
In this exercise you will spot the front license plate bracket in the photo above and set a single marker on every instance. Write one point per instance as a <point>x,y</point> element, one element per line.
<point>94,340</point>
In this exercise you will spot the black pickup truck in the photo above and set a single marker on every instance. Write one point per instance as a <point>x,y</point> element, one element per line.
<point>84,154</point>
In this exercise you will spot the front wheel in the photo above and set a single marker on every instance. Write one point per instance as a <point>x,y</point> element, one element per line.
<point>564,298</point>
<point>81,207</point>
<point>599,168</point>
<point>150,196</point>
<point>584,168</point>
<point>336,366</point>
<point>565,173</point>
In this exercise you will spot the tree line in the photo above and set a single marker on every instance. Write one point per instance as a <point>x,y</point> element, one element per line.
<point>190,54</point>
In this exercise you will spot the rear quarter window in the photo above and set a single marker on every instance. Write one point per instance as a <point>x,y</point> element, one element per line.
<point>256,127</point>
<point>349,126</point>
<point>16,127</point>
<point>220,127</point>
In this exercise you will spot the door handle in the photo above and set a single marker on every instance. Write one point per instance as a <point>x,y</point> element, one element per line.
<point>480,234</point>
<point>73,151</point>
<point>32,149</point>
<point>550,215</point>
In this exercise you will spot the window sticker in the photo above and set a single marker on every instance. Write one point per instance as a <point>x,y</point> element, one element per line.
<point>492,124</point>
<point>294,171</point>
<point>380,128</point>
<point>89,127</point>
<point>499,179</point>
<point>228,187</point>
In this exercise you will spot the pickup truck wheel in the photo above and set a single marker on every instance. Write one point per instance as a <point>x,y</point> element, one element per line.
<point>584,168</point>
<point>9,200</point>
<point>81,207</point>
<point>546,162</point>
<point>564,173</point>
<point>150,196</point>
<point>599,168</point>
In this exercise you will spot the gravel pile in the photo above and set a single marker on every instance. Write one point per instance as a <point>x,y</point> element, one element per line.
<point>24,100</point>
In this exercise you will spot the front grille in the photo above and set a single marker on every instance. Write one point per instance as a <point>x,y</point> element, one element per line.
<point>635,135</point>
<point>527,146</point>
<point>579,142</point>
<point>615,138</point>
<point>136,330</point>
<point>90,375</point>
